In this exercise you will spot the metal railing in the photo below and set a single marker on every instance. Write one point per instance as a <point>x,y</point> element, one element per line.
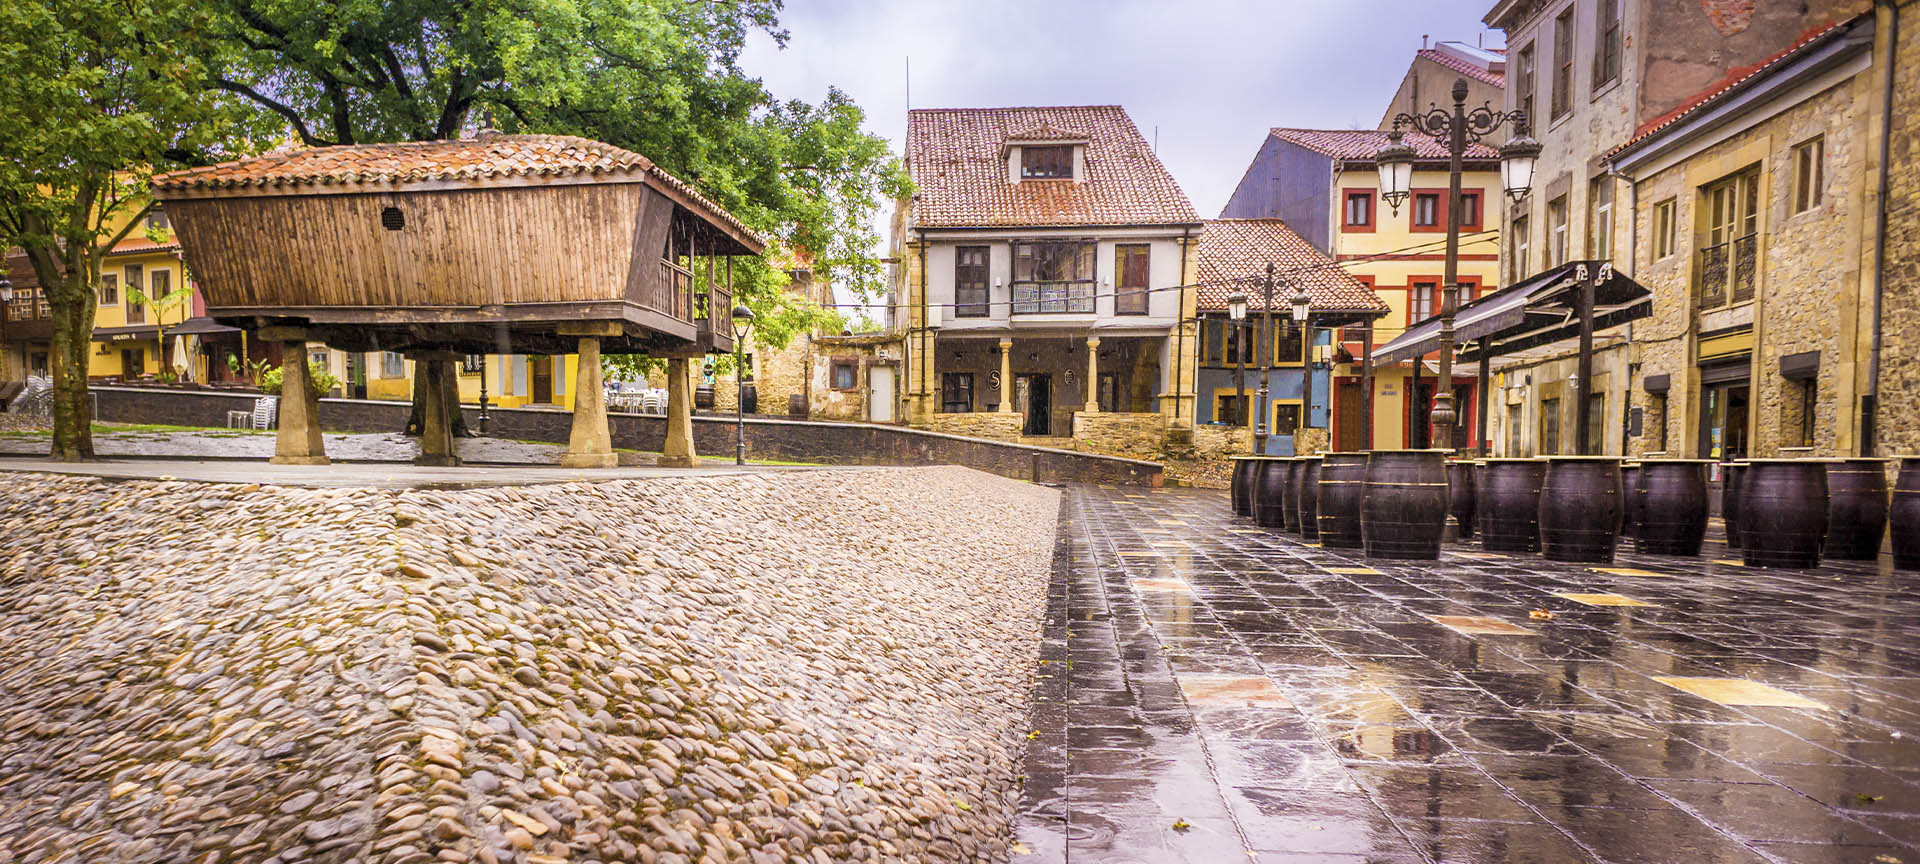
<point>1051,298</point>
<point>1727,271</point>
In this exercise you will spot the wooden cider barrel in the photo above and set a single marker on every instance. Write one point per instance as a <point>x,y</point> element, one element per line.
<point>1672,506</point>
<point>1630,505</point>
<point>1241,487</point>
<point>1289,497</point>
<point>1403,507</point>
<point>1508,498</point>
<point>1903,515</point>
<point>1580,508</point>
<point>1343,477</point>
<point>1460,497</point>
<point>1730,476</point>
<point>1783,512</point>
<point>1856,509</point>
<point>1307,497</point>
<point>1269,495</point>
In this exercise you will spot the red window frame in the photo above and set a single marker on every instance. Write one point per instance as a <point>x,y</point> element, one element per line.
<point>1473,210</point>
<point>1373,214</point>
<point>1439,211</point>
<point>1433,305</point>
<point>1348,334</point>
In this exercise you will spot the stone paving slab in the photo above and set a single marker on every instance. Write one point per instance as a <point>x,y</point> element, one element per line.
<point>1226,693</point>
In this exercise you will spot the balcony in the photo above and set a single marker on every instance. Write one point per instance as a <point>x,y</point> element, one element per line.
<point>1075,297</point>
<point>1726,272</point>
<point>713,317</point>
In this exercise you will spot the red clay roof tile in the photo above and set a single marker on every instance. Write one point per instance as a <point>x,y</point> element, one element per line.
<point>1362,144</point>
<point>1234,252</point>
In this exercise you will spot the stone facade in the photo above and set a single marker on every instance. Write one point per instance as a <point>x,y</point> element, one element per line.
<point>1897,417</point>
<point>1136,436</point>
<point>990,425</point>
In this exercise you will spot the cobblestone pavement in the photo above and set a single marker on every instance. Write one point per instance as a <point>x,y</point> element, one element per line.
<point>250,444</point>
<point>1220,692</point>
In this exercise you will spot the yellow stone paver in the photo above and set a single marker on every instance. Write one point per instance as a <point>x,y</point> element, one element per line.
<point>1354,571</point>
<point>1730,562</point>
<point>1738,691</point>
<point>1161,585</point>
<point>1603,599</point>
<point>1249,690</point>
<point>1480,625</point>
<point>1478,555</point>
<point>1628,571</point>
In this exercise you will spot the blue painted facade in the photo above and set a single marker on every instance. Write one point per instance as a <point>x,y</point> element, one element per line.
<point>1291,183</point>
<point>1285,387</point>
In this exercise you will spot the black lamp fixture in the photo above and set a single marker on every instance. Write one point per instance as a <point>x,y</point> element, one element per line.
<point>1237,311</point>
<point>742,321</point>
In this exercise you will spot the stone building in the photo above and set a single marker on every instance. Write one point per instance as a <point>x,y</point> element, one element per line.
<point>1891,410</point>
<point>1433,71</point>
<point>1592,75</point>
<point>1043,284</point>
<point>1324,185</point>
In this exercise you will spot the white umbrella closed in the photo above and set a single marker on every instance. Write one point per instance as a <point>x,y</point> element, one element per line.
<point>182,358</point>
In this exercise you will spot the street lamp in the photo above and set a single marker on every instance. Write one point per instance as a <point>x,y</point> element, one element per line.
<point>1263,409</point>
<point>1237,311</point>
<point>1455,129</point>
<point>1302,316</point>
<point>742,319</point>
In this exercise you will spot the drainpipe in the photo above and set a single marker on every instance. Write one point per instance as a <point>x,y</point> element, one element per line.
<point>1180,323</point>
<point>1869,423</point>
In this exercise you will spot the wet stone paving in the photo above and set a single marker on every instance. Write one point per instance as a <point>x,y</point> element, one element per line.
<point>1218,692</point>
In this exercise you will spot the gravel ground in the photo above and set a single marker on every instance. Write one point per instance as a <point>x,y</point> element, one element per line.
<point>781,667</point>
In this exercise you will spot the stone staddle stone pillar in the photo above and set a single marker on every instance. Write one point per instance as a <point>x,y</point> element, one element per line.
<point>436,415</point>
<point>591,444</point>
<point>298,441</point>
<point>678,451</point>
<point>1092,405</point>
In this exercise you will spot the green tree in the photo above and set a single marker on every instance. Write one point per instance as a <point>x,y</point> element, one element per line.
<point>98,95</point>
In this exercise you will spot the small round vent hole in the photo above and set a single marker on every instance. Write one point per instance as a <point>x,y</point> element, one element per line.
<point>392,219</point>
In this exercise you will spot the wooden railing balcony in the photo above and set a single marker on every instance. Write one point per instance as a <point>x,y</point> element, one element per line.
<point>675,295</point>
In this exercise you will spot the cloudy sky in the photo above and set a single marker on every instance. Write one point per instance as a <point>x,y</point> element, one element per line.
<point>1210,75</point>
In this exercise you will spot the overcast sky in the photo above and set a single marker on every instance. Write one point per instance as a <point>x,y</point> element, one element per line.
<point>1211,75</point>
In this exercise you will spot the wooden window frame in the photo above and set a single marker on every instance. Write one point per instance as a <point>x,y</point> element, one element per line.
<point>1349,226</point>
<point>1606,43</point>
<point>1741,207</point>
<point>1557,246</point>
<point>1809,174</point>
<point>1240,402</point>
<point>1053,166</point>
<point>1527,63</point>
<point>948,390</point>
<point>851,367</point>
<point>1665,232</point>
<point>133,278</point>
<point>1131,297</point>
<point>1521,247</point>
<point>969,306</point>
<point>109,289</point>
<point>1561,99</point>
<point>1433,302</point>
<point>1033,296</point>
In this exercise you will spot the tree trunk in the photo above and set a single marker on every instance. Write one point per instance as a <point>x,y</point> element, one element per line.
<point>416,418</point>
<point>72,334</point>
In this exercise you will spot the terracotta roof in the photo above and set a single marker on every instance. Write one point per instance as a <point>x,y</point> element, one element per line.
<point>1233,251</point>
<point>1361,144</point>
<point>140,245</point>
<point>954,156</point>
<point>1463,66</point>
<point>483,157</point>
<point>1733,81</point>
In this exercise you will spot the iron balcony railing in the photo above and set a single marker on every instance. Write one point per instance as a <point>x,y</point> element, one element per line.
<point>1727,271</point>
<point>1047,298</point>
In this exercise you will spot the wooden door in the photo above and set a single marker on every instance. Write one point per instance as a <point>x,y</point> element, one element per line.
<point>542,377</point>
<point>1349,407</point>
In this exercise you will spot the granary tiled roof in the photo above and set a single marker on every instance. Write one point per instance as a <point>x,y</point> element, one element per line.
<point>1235,252</point>
<point>1362,144</point>
<point>480,158</point>
<point>1464,66</point>
<point>955,156</point>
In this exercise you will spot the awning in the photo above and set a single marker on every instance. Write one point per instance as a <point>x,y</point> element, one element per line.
<point>125,334</point>
<point>200,326</point>
<point>1538,310</point>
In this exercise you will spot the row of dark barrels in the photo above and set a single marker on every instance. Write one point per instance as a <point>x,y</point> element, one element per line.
<point>1395,504</point>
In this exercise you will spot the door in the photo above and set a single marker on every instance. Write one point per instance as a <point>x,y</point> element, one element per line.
<point>880,394</point>
<point>133,363</point>
<point>357,375</point>
<point>1420,415</point>
<point>542,376</point>
<point>1723,420</point>
<point>1034,395</point>
<point>1347,408</point>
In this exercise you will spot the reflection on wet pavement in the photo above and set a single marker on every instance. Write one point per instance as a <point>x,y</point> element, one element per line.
<point>1213,692</point>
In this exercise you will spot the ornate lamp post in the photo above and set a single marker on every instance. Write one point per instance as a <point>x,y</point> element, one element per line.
<point>1266,365</point>
<point>1303,318</point>
<point>742,320</point>
<point>1456,129</point>
<point>1237,311</point>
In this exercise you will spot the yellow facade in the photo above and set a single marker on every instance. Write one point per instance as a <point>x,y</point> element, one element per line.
<point>147,263</point>
<point>512,381</point>
<point>1393,257</point>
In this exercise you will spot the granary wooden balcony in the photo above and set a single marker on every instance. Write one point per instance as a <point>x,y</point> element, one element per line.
<point>496,244</point>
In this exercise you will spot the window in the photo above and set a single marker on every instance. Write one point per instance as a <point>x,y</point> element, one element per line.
<point>1726,270</point>
<point>1663,236</point>
<point>1420,297</point>
<point>1656,422</point>
<point>1513,431</point>
<point>1046,163</point>
<point>1557,231</point>
<point>970,290</point>
<point>473,364</point>
<point>1286,417</point>
<point>1809,173</point>
<point>161,284</point>
<point>135,280</point>
<point>1521,246</point>
<point>1236,344</point>
<point>157,219</point>
<point>1597,422</point>
<point>1107,391</point>
<point>1469,211</point>
<point>1131,278</point>
<point>956,392</point>
<point>1600,219</point>
<point>319,358</point>
<point>392,365</point>
<point>1524,64</point>
<point>1549,427</point>
<point>1230,408</point>
<point>1606,43</point>
<point>1808,395</point>
<point>1054,276</point>
<point>109,290</point>
<point>1426,210</point>
<point>1288,343</point>
<point>1359,213</point>
<point>1563,63</point>
<point>846,375</point>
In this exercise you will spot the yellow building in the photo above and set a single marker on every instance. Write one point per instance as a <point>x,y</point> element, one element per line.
<point>511,380</point>
<point>1323,184</point>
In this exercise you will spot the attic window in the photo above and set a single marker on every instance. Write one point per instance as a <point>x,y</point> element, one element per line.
<point>1046,163</point>
<point>392,219</point>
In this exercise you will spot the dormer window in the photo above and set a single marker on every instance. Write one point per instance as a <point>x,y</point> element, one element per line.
<point>1046,163</point>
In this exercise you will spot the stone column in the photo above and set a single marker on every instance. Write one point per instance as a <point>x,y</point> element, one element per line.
<point>1093,376</point>
<point>298,441</point>
<point>591,443</point>
<point>1006,376</point>
<point>678,451</point>
<point>435,369</point>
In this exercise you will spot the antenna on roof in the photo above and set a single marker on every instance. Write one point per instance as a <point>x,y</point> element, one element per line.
<point>909,82</point>
<point>1156,140</point>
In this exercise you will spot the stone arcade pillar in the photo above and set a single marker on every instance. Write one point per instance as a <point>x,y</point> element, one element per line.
<point>435,369</point>
<point>1093,376</point>
<point>1006,376</point>
<point>298,441</point>
<point>591,443</point>
<point>678,451</point>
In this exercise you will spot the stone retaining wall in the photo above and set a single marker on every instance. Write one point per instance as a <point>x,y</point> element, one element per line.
<point>767,438</point>
<point>991,425</point>
<point>1136,436</point>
